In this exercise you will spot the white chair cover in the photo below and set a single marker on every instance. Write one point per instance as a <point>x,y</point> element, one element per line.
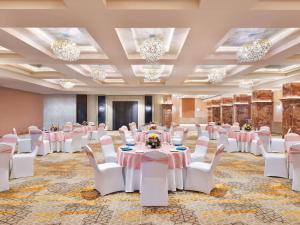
<point>5,156</point>
<point>108,176</point>
<point>294,157</point>
<point>265,138</point>
<point>200,175</point>
<point>154,182</point>
<point>230,144</point>
<point>290,140</point>
<point>74,144</point>
<point>201,149</point>
<point>275,163</point>
<point>44,148</point>
<point>126,136</point>
<point>199,130</point>
<point>108,149</point>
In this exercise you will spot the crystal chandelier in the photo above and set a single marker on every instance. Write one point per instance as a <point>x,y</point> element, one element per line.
<point>152,49</point>
<point>98,73</point>
<point>66,84</point>
<point>254,51</point>
<point>65,49</point>
<point>216,75</point>
<point>246,84</point>
<point>152,74</point>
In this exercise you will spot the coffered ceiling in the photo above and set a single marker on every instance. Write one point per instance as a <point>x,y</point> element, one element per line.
<point>199,36</point>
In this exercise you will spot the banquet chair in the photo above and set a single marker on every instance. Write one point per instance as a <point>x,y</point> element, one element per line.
<point>179,135</point>
<point>275,163</point>
<point>23,163</point>
<point>108,149</point>
<point>67,127</point>
<point>290,140</point>
<point>226,126</point>
<point>97,134</point>
<point>44,148</point>
<point>199,130</point>
<point>133,128</point>
<point>230,144</point>
<point>201,149</point>
<point>265,138</point>
<point>10,139</point>
<point>265,128</point>
<point>5,156</point>
<point>107,176</point>
<point>74,144</point>
<point>126,136</point>
<point>200,174</point>
<point>237,124</point>
<point>154,179</point>
<point>294,156</point>
<point>24,143</point>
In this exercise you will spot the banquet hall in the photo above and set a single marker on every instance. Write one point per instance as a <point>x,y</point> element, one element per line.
<point>150,112</point>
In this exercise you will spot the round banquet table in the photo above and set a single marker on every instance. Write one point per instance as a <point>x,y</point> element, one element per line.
<point>131,163</point>
<point>244,139</point>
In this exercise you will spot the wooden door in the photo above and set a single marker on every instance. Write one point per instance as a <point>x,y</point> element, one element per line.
<point>124,112</point>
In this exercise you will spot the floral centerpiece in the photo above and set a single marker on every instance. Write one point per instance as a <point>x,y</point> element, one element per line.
<point>152,126</point>
<point>153,141</point>
<point>54,128</point>
<point>248,127</point>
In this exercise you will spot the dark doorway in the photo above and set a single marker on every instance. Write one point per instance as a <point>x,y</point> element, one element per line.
<point>124,112</point>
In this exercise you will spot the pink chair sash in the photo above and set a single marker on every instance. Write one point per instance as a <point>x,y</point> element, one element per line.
<point>106,141</point>
<point>9,139</point>
<point>292,137</point>
<point>202,142</point>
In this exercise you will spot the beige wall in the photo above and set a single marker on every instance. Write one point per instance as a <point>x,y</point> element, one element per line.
<point>200,112</point>
<point>92,108</point>
<point>19,109</point>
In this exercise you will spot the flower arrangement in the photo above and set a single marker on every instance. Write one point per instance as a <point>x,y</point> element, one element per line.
<point>54,128</point>
<point>153,141</point>
<point>248,127</point>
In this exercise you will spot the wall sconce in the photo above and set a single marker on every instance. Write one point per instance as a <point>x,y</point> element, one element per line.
<point>101,108</point>
<point>148,108</point>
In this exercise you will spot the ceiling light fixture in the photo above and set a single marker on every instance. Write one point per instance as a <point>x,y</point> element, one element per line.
<point>152,74</point>
<point>216,75</point>
<point>246,84</point>
<point>65,49</point>
<point>152,49</point>
<point>254,51</point>
<point>66,84</point>
<point>98,73</point>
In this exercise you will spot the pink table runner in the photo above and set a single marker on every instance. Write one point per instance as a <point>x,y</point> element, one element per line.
<point>132,159</point>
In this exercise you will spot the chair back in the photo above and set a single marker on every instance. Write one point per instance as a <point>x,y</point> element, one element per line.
<point>32,127</point>
<point>6,152</point>
<point>10,139</point>
<point>291,139</point>
<point>261,147</point>
<point>265,138</point>
<point>15,131</point>
<point>154,164</point>
<point>77,134</point>
<point>217,157</point>
<point>101,130</point>
<point>223,137</point>
<point>226,126</point>
<point>91,124</point>
<point>178,132</point>
<point>199,130</point>
<point>133,127</point>
<point>294,156</point>
<point>237,124</point>
<point>91,157</point>
<point>122,135</point>
<point>107,145</point>
<point>265,128</point>
<point>67,127</point>
<point>36,138</point>
<point>202,144</point>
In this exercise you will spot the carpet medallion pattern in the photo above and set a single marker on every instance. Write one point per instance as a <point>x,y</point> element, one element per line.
<point>62,193</point>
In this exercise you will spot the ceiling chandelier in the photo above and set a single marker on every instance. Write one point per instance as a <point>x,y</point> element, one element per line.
<point>152,74</point>
<point>216,75</point>
<point>65,49</point>
<point>152,49</point>
<point>246,84</point>
<point>66,84</point>
<point>98,73</point>
<point>254,51</point>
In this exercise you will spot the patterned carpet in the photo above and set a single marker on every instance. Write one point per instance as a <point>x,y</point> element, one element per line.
<point>61,193</point>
